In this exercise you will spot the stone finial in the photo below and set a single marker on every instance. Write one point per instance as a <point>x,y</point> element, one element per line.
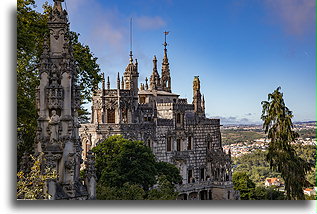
<point>154,63</point>
<point>103,81</point>
<point>146,85</point>
<point>108,83</point>
<point>58,5</point>
<point>131,57</point>
<point>118,81</point>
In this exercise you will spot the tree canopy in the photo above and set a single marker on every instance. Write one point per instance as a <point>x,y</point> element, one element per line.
<point>31,29</point>
<point>126,166</point>
<point>277,124</point>
<point>244,184</point>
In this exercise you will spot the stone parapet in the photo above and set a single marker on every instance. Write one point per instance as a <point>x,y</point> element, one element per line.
<point>191,187</point>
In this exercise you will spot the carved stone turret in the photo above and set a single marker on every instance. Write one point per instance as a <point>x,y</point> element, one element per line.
<point>131,76</point>
<point>155,81</point>
<point>198,108</point>
<point>58,99</point>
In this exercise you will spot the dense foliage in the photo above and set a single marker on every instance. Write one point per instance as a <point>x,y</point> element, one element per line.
<point>32,185</point>
<point>244,184</point>
<point>255,165</point>
<point>249,191</point>
<point>129,167</point>
<point>31,29</point>
<point>281,155</point>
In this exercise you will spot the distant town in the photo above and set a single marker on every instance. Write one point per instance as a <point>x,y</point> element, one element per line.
<point>249,138</point>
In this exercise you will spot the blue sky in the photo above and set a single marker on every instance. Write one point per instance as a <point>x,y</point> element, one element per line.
<point>241,49</point>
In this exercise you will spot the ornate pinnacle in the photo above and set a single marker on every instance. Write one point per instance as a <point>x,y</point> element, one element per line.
<point>103,81</point>
<point>58,4</point>
<point>108,83</point>
<point>146,85</point>
<point>118,81</point>
<point>154,63</point>
<point>131,59</point>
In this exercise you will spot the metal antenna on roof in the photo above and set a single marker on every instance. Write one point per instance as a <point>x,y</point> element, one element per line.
<point>131,39</point>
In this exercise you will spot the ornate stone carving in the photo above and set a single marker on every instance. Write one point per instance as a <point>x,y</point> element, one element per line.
<point>90,169</point>
<point>51,160</point>
<point>54,127</point>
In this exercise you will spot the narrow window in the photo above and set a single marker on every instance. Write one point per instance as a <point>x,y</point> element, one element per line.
<point>202,174</point>
<point>169,144</point>
<point>178,144</point>
<point>178,118</point>
<point>110,116</point>
<point>189,145</point>
<point>190,176</point>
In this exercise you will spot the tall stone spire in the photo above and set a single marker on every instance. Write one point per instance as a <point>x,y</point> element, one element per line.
<point>58,100</point>
<point>165,77</point>
<point>155,77</point>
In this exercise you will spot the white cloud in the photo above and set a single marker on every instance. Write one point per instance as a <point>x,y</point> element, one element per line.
<point>297,17</point>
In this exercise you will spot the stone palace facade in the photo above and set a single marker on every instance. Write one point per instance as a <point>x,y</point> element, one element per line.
<point>178,132</point>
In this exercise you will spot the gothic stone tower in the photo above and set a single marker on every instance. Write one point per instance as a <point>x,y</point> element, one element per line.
<point>58,99</point>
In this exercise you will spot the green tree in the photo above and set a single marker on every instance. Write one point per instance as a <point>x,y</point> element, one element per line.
<point>277,124</point>
<point>244,184</point>
<point>123,167</point>
<point>164,191</point>
<point>126,192</point>
<point>170,172</point>
<point>119,161</point>
<point>32,185</point>
<point>31,29</point>
<point>270,193</point>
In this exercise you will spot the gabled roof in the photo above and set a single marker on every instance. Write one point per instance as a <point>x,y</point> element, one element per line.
<point>272,180</point>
